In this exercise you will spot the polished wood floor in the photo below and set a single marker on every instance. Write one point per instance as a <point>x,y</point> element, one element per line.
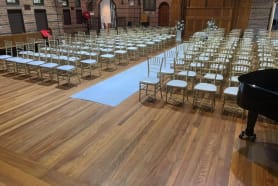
<point>48,138</point>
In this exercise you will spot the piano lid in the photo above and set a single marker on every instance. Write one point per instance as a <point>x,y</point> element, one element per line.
<point>258,92</point>
<point>265,79</point>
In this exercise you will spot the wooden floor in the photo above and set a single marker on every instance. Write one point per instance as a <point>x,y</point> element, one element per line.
<point>48,138</point>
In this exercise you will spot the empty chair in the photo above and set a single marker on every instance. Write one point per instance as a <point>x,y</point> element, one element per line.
<point>167,70</point>
<point>185,72</point>
<point>141,49</point>
<point>230,91</point>
<point>38,60</point>
<point>150,45</point>
<point>229,98</point>
<point>30,44</point>
<point>204,92</point>
<point>91,63</point>
<point>49,67</point>
<point>67,68</point>
<point>34,66</point>
<point>151,84</point>
<point>176,86</point>
<point>132,51</point>
<point>19,63</point>
<point>107,57</point>
<point>8,54</point>
<point>121,54</point>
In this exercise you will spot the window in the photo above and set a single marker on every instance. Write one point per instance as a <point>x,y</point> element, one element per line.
<point>64,2</point>
<point>41,19</point>
<point>77,3</point>
<point>38,2</point>
<point>12,2</point>
<point>149,5</point>
<point>67,19</point>
<point>16,21</point>
<point>78,16</point>
<point>90,5</point>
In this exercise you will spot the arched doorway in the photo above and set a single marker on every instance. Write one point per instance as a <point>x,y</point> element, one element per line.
<point>163,14</point>
<point>107,11</point>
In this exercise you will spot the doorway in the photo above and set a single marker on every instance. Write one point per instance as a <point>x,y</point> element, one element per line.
<point>108,17</point>
<point>163,14</point>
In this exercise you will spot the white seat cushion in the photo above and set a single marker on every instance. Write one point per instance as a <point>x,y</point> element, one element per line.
<point>150,80</point>
<point>5,56</point>
<point>234,79</point>
<point>218,77</point>
<point>36,63</point>
<point>205,87</point>
<point>19,60</point>
<point>187,73</point>
<point>107,55</point>
<point>196,64</point>
<point>231,91</point>
<point>66,67</point>
<point>26,52</point>
<point>168,71</point>
<point>177,83</point>
<point>49,65</point>
<point>89,61</point>
<point>142,45</point>
<point>131,48</point>
<point>120,52</point>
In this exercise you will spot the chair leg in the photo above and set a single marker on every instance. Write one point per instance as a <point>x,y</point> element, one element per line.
<point>78,76</point>
<point>58,80</point>
<point>183,95</point>
<point>81,68</point>
<point>213,102</point>
<point>166,99</point>
<point>194,98</point>
<point>139,92</point>
<point>155,92</point>
<point>160,87</point>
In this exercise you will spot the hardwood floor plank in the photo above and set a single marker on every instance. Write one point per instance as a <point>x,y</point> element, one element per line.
<point>32,172</point>
<point>48,138</point>
<point>14,176</point>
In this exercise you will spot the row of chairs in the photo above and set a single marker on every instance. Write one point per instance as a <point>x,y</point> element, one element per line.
<point>64,60</point>
<point>27,62</point>
<point>239,56</point>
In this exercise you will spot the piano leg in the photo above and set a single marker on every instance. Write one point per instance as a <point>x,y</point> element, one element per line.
<point>249,131</point>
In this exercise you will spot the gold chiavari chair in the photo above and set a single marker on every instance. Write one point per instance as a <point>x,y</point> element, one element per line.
<point>8,54</point>
<point>177,86</point>
<point>92,63</point>
<point>68,67</point>
<point>231,89</point>
<point>19,63</point>
<point>167,70</point>
<point>107,56</point>
<point>151,84</point>
<point>205,92</point>
<point>121,54</point>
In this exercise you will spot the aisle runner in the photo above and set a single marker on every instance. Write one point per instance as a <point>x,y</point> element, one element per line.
<point>116,89</point>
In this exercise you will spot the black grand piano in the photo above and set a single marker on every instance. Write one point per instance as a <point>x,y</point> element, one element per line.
<point>258,93</point>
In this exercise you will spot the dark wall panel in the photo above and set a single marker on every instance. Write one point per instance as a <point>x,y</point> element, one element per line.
<point>16,21</point>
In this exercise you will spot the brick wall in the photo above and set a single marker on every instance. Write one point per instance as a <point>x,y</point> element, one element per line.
<point>54,15</point>
<point>259,15</point>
